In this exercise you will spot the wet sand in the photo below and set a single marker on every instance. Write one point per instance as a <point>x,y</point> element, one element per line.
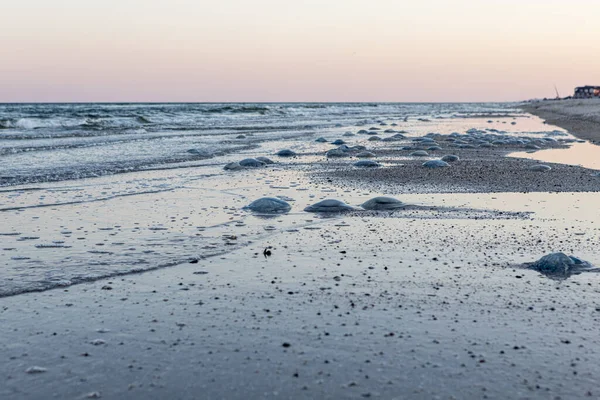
<point>424,302</point>
<point>478,171</point>
<point>581,117</point>
<point>360,308</point>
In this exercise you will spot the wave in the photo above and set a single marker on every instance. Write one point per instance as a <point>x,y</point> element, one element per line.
<point>49,284</point>
<point>185,118</point>
<point>74,122</point>
<point>83,170</point>
<point>28,123</point>
<point>95,271</point>
<point>99,199</point>
<point>239,109</point>
<point>55,118</point>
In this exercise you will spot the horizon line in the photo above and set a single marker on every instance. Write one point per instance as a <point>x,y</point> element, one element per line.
<point>262,102</point>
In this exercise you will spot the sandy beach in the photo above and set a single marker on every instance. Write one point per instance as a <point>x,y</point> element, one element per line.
<point>359,308</point>
<point>581,117</point>
<point>429,301</point>
<point>301,200</point>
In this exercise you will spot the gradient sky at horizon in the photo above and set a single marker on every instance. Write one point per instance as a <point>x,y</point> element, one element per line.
<point>277,50</point>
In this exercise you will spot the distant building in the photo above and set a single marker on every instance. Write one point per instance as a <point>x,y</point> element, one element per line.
<point>586,92</point>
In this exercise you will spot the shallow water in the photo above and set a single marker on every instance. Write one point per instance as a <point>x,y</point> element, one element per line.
<point>583,154</point>
<point>98,190</point>
<point>55,142</point>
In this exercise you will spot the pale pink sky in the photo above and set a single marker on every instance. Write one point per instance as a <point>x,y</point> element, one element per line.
<point>310,50</point>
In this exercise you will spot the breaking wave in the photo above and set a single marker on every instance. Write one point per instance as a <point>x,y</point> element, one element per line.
<point>54,142</point>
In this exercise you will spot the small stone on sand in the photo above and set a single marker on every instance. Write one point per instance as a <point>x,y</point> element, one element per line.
<point>36,370</point>
<point>559,265</point>
<point>367,164</point>
<point>383,203</point>
<point>233,166</point>
<point>265,160</point>
<point>450,158</point>
<point>329,205</point>
<point>435,164</point>
<point>335,153</point>
<point>269,205</point>
<point>286,153</point>
<point>540,168</point>
<point>251,163</point>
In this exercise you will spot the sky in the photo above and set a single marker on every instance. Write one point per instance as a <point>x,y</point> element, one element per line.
<point>303,50</point>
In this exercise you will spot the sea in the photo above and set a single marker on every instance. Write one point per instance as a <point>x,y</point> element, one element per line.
<point>58,142</point>
<point>89,191</point>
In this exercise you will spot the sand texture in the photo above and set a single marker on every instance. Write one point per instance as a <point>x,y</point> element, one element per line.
<point>581,117</point>
<point>161,283</point>
<point>376,307</point>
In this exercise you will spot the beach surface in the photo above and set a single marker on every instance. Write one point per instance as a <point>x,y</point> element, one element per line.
<point>581,117</point>
<point>157,283</point>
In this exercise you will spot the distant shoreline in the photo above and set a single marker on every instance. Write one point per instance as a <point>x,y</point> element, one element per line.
<point>581,117</point>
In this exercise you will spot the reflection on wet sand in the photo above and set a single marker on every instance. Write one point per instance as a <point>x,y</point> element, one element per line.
<point>586,155</point>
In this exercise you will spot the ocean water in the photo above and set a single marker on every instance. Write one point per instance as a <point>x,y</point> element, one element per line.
<point>56,142</point>
<point>97,190</point>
